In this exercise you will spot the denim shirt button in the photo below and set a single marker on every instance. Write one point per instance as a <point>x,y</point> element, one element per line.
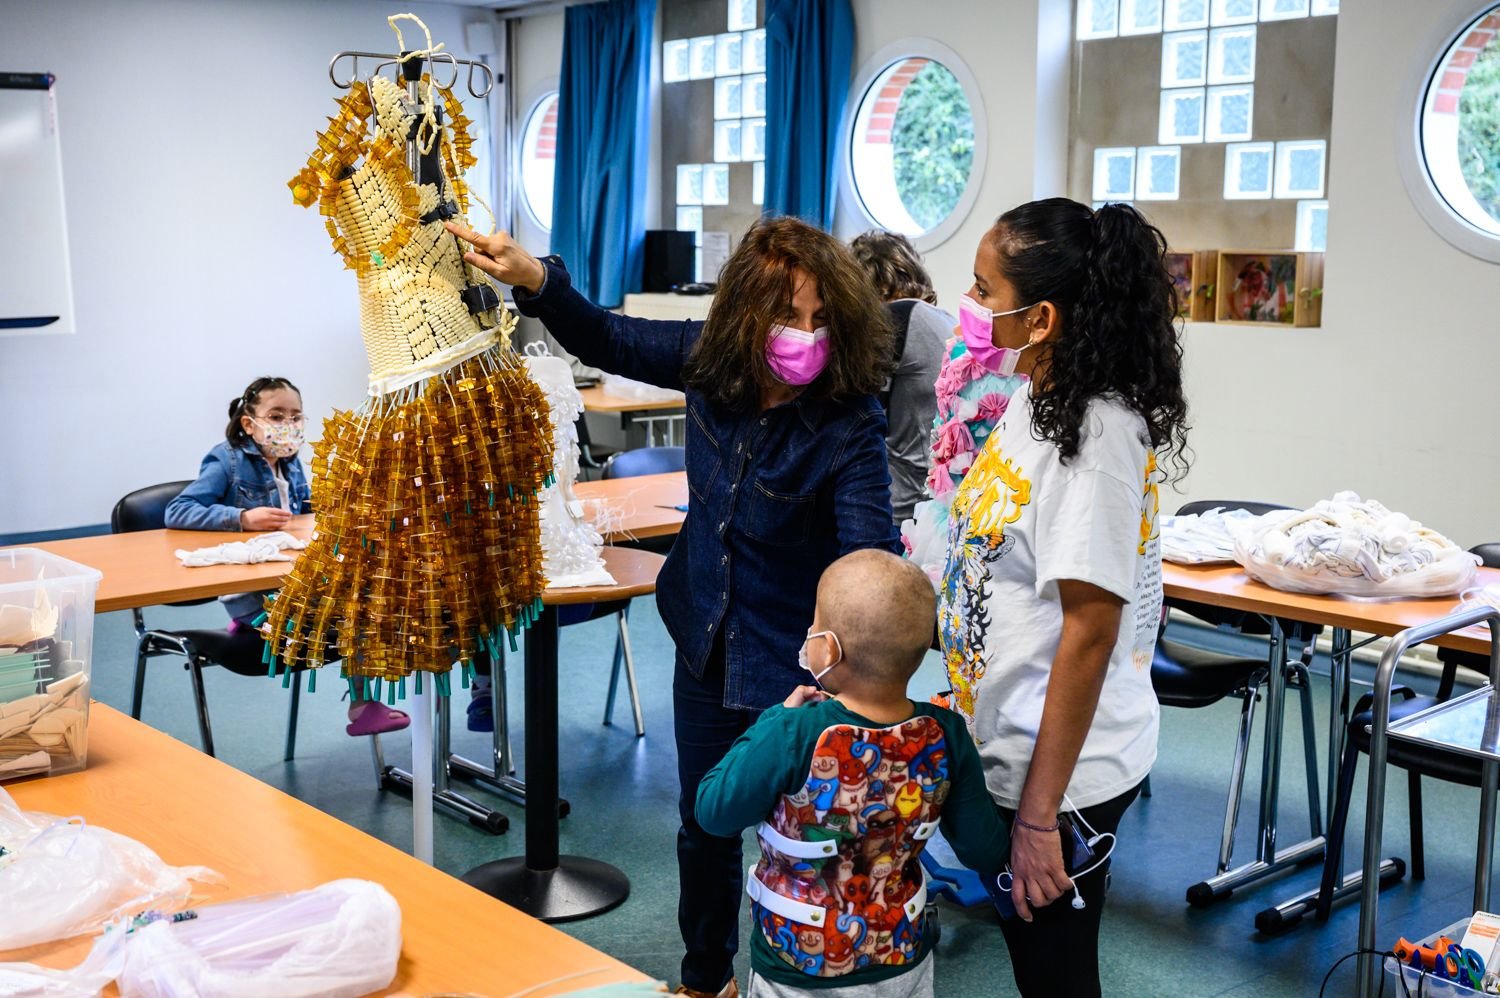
<point>762,421</point>
<point>723,559</point>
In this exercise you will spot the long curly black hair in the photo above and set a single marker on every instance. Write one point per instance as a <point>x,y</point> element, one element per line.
<point>1104,271</point>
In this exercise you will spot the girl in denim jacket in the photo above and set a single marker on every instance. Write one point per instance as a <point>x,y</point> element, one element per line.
<point>253,481</point>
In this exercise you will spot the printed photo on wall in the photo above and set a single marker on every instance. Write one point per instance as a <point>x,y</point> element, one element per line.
<point>1264,289</point>
<point>1180,267</point>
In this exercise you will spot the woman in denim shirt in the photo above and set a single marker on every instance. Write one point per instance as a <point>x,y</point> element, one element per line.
<point>253,481</point>
<point>786,470</point>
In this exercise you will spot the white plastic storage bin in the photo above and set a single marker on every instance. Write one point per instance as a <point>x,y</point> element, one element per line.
<point>46,654</point>
<point>1430,985</point>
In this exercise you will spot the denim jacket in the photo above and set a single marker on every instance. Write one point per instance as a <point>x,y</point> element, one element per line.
<point>773,498</point>
<point>232,479</point>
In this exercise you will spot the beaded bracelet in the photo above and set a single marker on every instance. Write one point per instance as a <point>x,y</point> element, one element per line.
<point>1037,828</point>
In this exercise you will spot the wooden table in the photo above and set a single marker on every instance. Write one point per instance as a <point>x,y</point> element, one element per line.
<point>192,809</point>
<point>1231,588</point>
<point>141,568</point>
<point>635,410</point>
<point>646,505</point>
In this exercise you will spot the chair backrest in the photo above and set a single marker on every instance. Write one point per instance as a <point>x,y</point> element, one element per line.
<point>645,461</point>
<point>1245,623</point>
<point>1489,556</point>
<point>1255,508</point>
<point>145,509</point>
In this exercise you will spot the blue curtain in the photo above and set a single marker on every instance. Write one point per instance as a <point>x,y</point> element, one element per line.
<point>809,57</point>
<point>599,196</point>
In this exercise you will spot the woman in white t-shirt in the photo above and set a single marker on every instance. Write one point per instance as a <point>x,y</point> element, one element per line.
<point>1050,599</point>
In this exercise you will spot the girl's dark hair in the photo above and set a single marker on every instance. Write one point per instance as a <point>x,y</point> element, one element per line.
<point>728,363</point>
<point>1104,271</point>
<point>246,403</point>
<point>893,265</point>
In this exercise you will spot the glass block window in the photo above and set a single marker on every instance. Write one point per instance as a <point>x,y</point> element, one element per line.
<point>754,51</point>
<point>1182,114</point>
<point>675,61</point>
<point>754,139</point>
<point>1098,19</point>
<point>1114,174</point>
<point>728,97</point>
<point>1225,12</point>
<point>1158,171</point>
<point>1300,168</point>
<point>689,183</point>
<point>690,219</point>
<point>1312,226</point>
<point>1184,59</point>
<point>701,62</point>
<point>1322,7</point>
<point>1282,10</point>
<point>715,183</point>
<point>1247,170</point>
<point>1181,15</point>
<point>758,184</point>
<point>1231,111</point>
<point>1140,17</point>
<point>1231,55</point>
<point>727,141</point>
<point>755,96</point>
<point>741,15</point>
<point>727,50</point>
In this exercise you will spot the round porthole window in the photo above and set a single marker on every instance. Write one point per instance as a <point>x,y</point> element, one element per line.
<point>1453,167</point>
<point>915,144</point>
<point>539,158</point>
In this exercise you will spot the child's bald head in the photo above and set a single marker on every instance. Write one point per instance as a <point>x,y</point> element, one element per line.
<point>882,608</point>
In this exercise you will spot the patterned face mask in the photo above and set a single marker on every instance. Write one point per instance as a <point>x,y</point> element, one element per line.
<point>280,440</point>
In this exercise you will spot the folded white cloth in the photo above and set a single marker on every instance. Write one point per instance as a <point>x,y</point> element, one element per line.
<point>265,547</point>
<point>1204,538</point>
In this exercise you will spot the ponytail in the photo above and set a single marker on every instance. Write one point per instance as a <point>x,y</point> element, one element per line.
<point>244,405</point>
<point>1105,273</point>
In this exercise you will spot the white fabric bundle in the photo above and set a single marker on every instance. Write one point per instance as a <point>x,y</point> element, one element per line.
<point>1204,538</point>
<point>1357,548</point>
<point>261,548</point>
<point>570,544</point>
<point>614,384</point>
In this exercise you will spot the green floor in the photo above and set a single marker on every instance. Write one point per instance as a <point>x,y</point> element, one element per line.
<point>623,792</point>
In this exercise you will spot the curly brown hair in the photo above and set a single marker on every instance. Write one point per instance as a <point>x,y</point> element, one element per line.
<point>894,265</point>
<point>728,363</point>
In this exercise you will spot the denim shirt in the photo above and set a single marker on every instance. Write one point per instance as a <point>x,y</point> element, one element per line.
<point>232,479</point>
<point>773,498</point>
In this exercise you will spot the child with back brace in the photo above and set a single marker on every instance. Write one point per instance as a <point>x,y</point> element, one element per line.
<point>845,784</point>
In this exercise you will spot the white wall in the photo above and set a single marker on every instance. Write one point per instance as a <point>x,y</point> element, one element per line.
<point>193,271</point>
<point>1394,396</point>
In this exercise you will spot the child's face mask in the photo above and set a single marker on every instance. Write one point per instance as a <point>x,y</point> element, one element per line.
<point>802,659</point>
<point>279,440</point>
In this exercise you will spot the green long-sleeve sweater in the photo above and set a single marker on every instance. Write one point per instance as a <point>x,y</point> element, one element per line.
<point>774,759</point>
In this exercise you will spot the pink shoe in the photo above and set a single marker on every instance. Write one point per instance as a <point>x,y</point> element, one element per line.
<point>371,718</point>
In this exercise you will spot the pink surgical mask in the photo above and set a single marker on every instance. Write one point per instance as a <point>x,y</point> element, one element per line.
<point>977,325</point>
<point>796,356</point>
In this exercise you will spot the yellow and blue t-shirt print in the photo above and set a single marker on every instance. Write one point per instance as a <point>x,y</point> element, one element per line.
<point>1150,504</point>
<point>993,494</point>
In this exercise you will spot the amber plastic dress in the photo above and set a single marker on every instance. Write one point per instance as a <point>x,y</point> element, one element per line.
<point>427,544</point>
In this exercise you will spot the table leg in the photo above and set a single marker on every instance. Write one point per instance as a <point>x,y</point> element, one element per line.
<point>1270,775</point>
<point>442,796</point>
<point>545,884</point>
<point>1340,663</point>
<point>1485,859</point>
<point>421,765</point>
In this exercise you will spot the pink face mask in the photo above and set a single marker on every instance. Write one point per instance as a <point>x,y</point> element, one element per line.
<point>796,356</point>
<point>977,326</point>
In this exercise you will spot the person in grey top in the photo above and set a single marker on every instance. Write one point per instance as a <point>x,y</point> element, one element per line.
<point>922,331</point>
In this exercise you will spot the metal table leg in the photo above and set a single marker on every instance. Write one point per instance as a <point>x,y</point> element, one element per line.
<point>545,884</point>
<point>449,800</point>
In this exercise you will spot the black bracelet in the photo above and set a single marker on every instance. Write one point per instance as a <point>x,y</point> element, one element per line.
<point>1036,828</point>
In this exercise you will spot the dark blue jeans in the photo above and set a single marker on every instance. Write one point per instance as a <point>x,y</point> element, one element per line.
<point>710,868</point>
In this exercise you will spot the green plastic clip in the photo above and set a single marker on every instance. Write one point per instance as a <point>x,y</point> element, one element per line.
<point>418,675</point>
<point>312,680</point>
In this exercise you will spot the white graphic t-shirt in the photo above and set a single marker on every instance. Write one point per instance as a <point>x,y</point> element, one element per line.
<point>1022,521</point>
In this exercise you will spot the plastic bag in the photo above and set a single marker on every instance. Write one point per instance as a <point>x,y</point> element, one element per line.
<point>60,877</point>
<point>1205,538</point>
<point>1354,547</point>
<point>340,939</point>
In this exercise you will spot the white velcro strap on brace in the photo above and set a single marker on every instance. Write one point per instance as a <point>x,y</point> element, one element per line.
<point>796,848</point>
<point>925,831</point>
<point>796,911</point>
<point>918,902</point>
